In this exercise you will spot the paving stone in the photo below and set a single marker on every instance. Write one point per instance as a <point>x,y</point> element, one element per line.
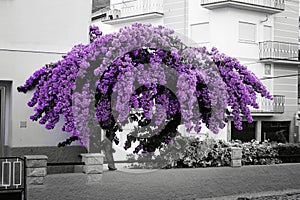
<point>92,158</point>
<point>36,162</point>
<point>173,184</point>
<point>93,169</point>
<point>94,178</point>
<point>41,171</point>
<point>35,180</point>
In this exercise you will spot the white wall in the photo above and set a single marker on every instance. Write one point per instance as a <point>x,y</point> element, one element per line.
<point>54,25</point>
<point>29,31</point>
<point>286,23</point>
<point>224,33</point>
<point>223,23</point>
<point>204,133</point>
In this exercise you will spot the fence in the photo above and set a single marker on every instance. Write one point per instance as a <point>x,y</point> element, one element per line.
<point>270,106</point>
<point>13,181</point>
<point>278,50</point>
<point>142,7</point>
<point>275,4</point>
<point>130,8</point>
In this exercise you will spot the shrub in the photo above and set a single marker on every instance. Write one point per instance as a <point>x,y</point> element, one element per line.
<point>256,153</point>
<point>186,152</point>
<point>206,153</point>
<point>288,152</point>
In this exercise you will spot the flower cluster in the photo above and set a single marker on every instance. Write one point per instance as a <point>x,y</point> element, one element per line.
<point>242,86</point>
<point>143,68</point>
<point>94,32</point>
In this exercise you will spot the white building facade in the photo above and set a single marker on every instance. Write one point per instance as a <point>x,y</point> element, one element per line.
<point>34,33</point>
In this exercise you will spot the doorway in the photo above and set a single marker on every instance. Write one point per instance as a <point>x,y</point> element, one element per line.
<point>2,114</point>
<point>276,131</point>
<point>246,134</point>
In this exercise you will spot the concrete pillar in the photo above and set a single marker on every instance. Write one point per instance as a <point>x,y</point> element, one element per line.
<point>258,131</point>
<point>229,130</point>
<point>36,169</point>
<point>236,157</point>
<point>292,130</point>
<point>93,163</point>
<point>93,166</point>
<point>297,128</point>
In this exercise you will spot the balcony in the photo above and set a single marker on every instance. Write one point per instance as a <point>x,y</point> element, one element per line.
<point>265,6</point>
<point>131,10</point>
<point>275,106</point>
<point>272,50</point>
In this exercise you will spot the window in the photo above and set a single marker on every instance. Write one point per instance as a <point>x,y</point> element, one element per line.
<point>200,32</point>
<point>268,70</point>
<point>247,32</point>
<point>267,33</point>
<point>299,88</point>
<point>2,95</point>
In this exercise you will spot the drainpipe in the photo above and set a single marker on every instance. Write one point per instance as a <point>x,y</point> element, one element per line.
<point>265,20</point>
<point>185,20</point>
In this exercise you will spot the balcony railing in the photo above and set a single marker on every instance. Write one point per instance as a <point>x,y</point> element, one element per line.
<point>142,7</point>
<point>130,10</point>
<point>278,50</point>
<point>267,6</point>
<point>270,106</point>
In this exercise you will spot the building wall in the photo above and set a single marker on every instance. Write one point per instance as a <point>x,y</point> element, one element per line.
<point>34,33</point>
<point>176,16</point>
<point>223,32</point>
<point>286,23</point>
<point>288,87</point>
<point>45,26</point>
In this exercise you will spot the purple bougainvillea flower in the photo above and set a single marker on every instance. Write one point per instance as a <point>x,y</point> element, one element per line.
<point>138,64</point>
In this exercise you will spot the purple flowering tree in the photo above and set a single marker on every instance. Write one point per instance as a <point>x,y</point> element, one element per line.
<point>143,75</point>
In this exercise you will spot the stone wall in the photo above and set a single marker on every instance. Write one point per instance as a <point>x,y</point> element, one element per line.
<point>36,169</point>
<point>69,154</point>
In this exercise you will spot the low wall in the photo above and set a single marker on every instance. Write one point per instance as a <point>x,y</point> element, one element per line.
<point>56,155</point>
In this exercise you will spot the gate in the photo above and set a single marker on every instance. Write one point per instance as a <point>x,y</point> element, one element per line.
<point>12,178</point>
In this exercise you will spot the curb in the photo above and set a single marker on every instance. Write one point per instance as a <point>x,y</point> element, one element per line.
<point>255,195</point>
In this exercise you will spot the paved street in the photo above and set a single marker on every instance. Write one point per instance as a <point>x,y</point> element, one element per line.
<point>171,184</point>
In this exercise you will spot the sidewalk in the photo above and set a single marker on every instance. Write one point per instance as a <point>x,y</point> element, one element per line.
<point>293,194</point>
<point>213,183</point>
